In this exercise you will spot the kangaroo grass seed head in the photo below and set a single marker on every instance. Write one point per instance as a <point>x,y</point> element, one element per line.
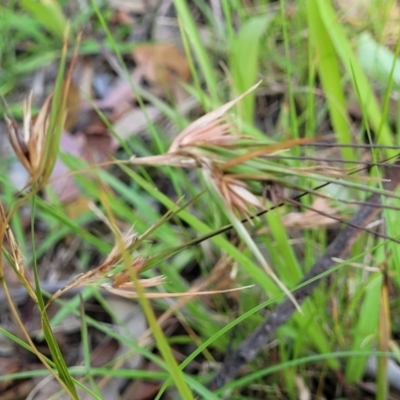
<point>37,146</point>
<point>235,192</point>
<point>212,129</point>
<point>29,146</point>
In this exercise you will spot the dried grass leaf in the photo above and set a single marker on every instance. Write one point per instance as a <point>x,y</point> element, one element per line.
<point>133,295</point>
<point>163,65</point>
<point>38,134</point>
<point>311,219</point>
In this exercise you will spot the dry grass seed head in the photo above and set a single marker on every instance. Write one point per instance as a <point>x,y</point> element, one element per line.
<point>217,133</point>
<point>235,192</point>
<point>30,146</point>
<point>212,128</point>
<point>127,242</point>
<point>123,279</point>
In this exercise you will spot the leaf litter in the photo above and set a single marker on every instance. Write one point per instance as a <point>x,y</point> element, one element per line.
<point>230,161</point>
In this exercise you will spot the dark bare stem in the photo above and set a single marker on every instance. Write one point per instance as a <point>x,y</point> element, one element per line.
<point>337,249</point>
<point>369,164</point>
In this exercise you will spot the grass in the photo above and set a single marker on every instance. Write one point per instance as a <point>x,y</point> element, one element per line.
<point>314,61</point>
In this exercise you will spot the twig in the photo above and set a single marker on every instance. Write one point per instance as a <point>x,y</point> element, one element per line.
<point>338,248</point>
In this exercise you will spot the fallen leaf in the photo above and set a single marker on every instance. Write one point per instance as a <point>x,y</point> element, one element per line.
<point>136,121</point>
<point>93,148</point>
<point>8,366</point>
<point>121,17</point>
<point>311,219</point>
<point>164,66</point>
<point>129,294</point>
<point>119,99</point>
<point>143,390</point>
<point>61,180</point>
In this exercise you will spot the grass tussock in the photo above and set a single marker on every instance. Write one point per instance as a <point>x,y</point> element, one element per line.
<point>235,184</point>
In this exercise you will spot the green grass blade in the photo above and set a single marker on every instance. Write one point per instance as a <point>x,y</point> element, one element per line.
<point>49,14</point>
<point>331,78</point>
<point>346,54</point>
<point>364,334</point>
<point>198,48</point>
<point>245,53</point>
<point>51,340</point>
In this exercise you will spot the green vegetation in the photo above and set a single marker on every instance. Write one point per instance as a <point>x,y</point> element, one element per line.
<point>310,57</point>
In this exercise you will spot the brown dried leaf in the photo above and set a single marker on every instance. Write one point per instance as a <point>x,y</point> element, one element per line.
<point>140,389</point>
<point>93,148</point>
<point>171,159</point>
<point>163,65</point>
<point>129,294</point>
<point>8,366</point>
<point>61,180</point>
<point>135,121</point>
<point>121,93</point>
<point>311,219</point>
